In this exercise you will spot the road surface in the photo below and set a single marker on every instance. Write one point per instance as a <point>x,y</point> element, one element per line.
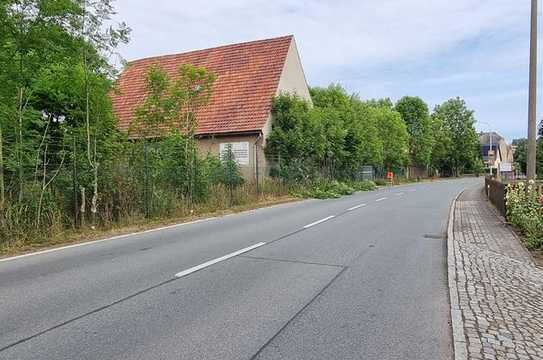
<point>361,277</point>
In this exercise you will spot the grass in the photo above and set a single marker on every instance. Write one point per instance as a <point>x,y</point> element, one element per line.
<point>136,224</point>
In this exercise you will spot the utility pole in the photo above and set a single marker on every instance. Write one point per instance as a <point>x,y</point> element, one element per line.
<point>532,104</point>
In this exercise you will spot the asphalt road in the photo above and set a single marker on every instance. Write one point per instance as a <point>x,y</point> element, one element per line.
<point>361,277</point>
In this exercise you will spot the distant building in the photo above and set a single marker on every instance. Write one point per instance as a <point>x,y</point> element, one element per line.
<point>497,153</point>
<point>248,76</point>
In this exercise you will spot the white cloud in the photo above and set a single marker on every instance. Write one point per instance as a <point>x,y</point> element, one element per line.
<point>328,32</point>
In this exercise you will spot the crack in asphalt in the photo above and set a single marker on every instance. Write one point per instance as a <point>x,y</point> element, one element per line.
<point>104,307</point>
<point>299,312</point>
<point>291,261</point>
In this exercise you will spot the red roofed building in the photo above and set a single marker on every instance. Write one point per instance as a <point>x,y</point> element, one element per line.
<point>248,76</point>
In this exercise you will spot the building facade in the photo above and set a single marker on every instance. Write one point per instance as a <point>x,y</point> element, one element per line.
<point>248,76</point>
<point>497,153</point>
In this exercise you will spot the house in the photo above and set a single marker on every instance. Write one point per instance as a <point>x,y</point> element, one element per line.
<point>248,76</point>
<point>497,153</point>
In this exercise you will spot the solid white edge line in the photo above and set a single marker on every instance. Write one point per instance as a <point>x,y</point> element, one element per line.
<point>217,260</point>
<point>104,240</point>
<point>356,207</point>
<point>381,199</point>
<point>319,222</point>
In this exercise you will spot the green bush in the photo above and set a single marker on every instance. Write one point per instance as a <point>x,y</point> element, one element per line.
<point>365,185</point>
<point>333,189</point>
<point>525,210</point>
<point>381,182</point>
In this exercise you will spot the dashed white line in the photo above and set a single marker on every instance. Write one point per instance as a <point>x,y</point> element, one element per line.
<point>412,190</point>
<point>381,199</point>
<point>217,260</point>
<point>356,207</point>
<point>399,194</point>
<point>319,222</point>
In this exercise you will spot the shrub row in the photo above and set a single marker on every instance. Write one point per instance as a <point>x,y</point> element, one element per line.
<point>525,210</point>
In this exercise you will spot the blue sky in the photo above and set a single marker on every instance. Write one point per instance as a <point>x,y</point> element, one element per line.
<point>435,49</point>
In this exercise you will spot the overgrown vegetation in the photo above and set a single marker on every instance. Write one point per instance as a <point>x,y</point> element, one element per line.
<point>65,167</point>
<point>520,155</point>
<point>525,210</point>
<point>336,135</point>
<point>332,189</point>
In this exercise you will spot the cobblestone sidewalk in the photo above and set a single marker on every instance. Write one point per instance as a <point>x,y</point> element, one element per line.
<point>496,290</point>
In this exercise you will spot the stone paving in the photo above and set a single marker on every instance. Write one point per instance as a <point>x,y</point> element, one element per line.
<point>496,290</point>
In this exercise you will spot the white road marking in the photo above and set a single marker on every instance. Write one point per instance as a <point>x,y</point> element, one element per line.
<point>412,190</point>
<point>399,194</point>
<point>217,260</point>
<point>381,199</point>
<point>104,240</point>
<point>319,222</point>
<point>356,207</point>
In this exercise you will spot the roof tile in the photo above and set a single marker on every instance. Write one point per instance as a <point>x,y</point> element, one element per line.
<point>247,76</point>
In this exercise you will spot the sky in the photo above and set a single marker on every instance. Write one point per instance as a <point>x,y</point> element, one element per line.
<point>434,49</point>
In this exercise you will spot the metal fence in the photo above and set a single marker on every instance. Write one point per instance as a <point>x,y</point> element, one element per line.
<point>496,192</point>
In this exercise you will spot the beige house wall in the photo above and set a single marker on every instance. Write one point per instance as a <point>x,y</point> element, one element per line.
<point>292,81</point>
<point>211,146</point>
<point>292,78</point>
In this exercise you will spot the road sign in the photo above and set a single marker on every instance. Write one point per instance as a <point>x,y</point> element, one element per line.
<point>506,167</point>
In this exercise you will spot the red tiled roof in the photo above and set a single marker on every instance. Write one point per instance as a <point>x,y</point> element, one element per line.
<point>247,76</point>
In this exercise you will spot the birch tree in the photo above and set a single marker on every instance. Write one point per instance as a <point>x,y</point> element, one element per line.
<point>100,37</point>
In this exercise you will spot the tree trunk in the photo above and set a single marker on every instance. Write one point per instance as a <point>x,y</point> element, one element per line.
<point>83,205</point>
<point>94,201</point>
<point>20,143</point>
<point>43,186</point>
<point>2,186</point>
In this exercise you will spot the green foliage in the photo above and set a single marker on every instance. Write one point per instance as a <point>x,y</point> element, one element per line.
<point>169,112</point>
<point>525,210</point>
<point>520,155</point>
<point>539,158</point>
<point>416,116</point>
<point>365,185</point>
<point>230,174</point>
<point>394,137</point>
<point>325,189</point>
<point>478,167</point>
<point>457,143</point>
<point>334,138</point>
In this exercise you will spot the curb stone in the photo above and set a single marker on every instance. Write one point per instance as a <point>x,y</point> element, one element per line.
<point>457,321</point>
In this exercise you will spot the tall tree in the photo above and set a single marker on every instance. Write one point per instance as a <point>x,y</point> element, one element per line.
<point>34,34</point>
<point>458,122</point>
<point>415,114</point>
<point>170,109</point>
<point>100,37</point>
<point>394,137</point>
